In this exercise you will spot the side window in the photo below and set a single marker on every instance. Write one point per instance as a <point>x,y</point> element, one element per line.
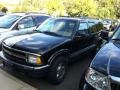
<point>96,27</point>
<point>26,22</point>
<point>90,24</point>
<point>39,19</point>
<point>83,28</point>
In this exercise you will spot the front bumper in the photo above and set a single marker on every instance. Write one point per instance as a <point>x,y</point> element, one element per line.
<point>24,68</point>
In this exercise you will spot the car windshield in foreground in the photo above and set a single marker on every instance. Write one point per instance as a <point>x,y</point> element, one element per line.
<point>59,27</point>
<point>116,35</point>
<point>8,20</point>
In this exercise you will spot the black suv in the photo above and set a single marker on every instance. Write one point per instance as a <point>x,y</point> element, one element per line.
<point>54,44</point>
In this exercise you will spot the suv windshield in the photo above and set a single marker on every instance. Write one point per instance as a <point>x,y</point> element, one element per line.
<point>8,20</point>
<point>61,27</point>
<point>117,34</point>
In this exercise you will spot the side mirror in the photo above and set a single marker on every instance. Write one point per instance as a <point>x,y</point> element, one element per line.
<point>104,34</point>
<point>110,34</point>
<point>34,29</point>
<point>21,26</point>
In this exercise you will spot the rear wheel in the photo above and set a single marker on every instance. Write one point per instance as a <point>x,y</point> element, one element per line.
<point>57,70</point>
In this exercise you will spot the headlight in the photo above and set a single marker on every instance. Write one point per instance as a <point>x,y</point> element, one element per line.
<point>97,80</point>
<point>34,59</point>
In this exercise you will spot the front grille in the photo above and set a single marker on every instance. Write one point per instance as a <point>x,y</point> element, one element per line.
<point>115,86</point>
<point>14,55</point>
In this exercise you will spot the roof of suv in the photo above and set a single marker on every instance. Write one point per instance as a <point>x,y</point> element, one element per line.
<point>79,19</point>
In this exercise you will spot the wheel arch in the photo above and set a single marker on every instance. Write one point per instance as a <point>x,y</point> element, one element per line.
<point>62,52</point>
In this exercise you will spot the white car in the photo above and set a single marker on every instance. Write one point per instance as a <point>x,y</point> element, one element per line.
<point>19,24</point>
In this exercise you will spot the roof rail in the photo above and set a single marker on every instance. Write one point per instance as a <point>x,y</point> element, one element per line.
<point>31,13</point>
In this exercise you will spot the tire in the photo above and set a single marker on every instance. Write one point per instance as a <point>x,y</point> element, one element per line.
<point>57,71</point>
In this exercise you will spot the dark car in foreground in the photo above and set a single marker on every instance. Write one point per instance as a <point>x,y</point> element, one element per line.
<point>48,51</point>
<point>104,71</point>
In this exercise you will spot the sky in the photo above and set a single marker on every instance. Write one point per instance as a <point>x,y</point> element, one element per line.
<point>9,1</point>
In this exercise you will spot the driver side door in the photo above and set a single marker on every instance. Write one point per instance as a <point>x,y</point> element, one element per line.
<point>80,39</point>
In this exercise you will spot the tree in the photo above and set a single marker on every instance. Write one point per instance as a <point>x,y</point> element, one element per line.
<point>4,9</point>
<point>117,9</point>
<point>81,7</point>
<point>92,8</point>
<point>55,7</point>
<point>106,8</point>
<point>29,6</point>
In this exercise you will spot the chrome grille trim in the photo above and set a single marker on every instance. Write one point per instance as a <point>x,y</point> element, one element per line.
<point>28,53</point>
<point>13,54</point>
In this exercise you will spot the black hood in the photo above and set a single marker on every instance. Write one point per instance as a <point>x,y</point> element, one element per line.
<point>108,59</point>
<point>34,43</point>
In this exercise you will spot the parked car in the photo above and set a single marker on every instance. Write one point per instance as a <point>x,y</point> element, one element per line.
<point>104,71</point>
<point>19,24</point>
<point>2,14</point>
<point>48,51</point>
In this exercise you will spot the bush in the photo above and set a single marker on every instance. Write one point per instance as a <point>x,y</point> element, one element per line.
<point>4,9</point>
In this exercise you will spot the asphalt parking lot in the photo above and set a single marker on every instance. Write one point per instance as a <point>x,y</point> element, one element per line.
<point>71,81</point>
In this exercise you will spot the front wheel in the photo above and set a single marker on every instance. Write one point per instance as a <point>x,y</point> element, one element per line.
<point>57,70</point>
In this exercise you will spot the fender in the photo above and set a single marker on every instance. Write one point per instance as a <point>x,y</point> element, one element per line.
<point>57,53</point>
<point>3,38</point>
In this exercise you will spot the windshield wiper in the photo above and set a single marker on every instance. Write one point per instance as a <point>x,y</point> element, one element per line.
<point>37,31</point>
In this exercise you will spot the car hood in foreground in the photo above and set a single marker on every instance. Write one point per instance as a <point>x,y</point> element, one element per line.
<point>2,30</point>
<point>35,43</point>
<point>108,59</point>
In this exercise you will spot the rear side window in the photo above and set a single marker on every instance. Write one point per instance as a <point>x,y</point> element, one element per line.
<point>83,28</point>
<point>39,19</point>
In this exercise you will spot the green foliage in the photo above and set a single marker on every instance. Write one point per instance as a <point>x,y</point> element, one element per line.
<point>81,7</point>
<point>4,9</point>
<point>29,6</point>
<point>55,7</point>
<point>106,8</point>
<point>92,8</point>
<point>117,9</point>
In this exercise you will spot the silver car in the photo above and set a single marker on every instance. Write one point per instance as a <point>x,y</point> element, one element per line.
<point>19,24</point>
